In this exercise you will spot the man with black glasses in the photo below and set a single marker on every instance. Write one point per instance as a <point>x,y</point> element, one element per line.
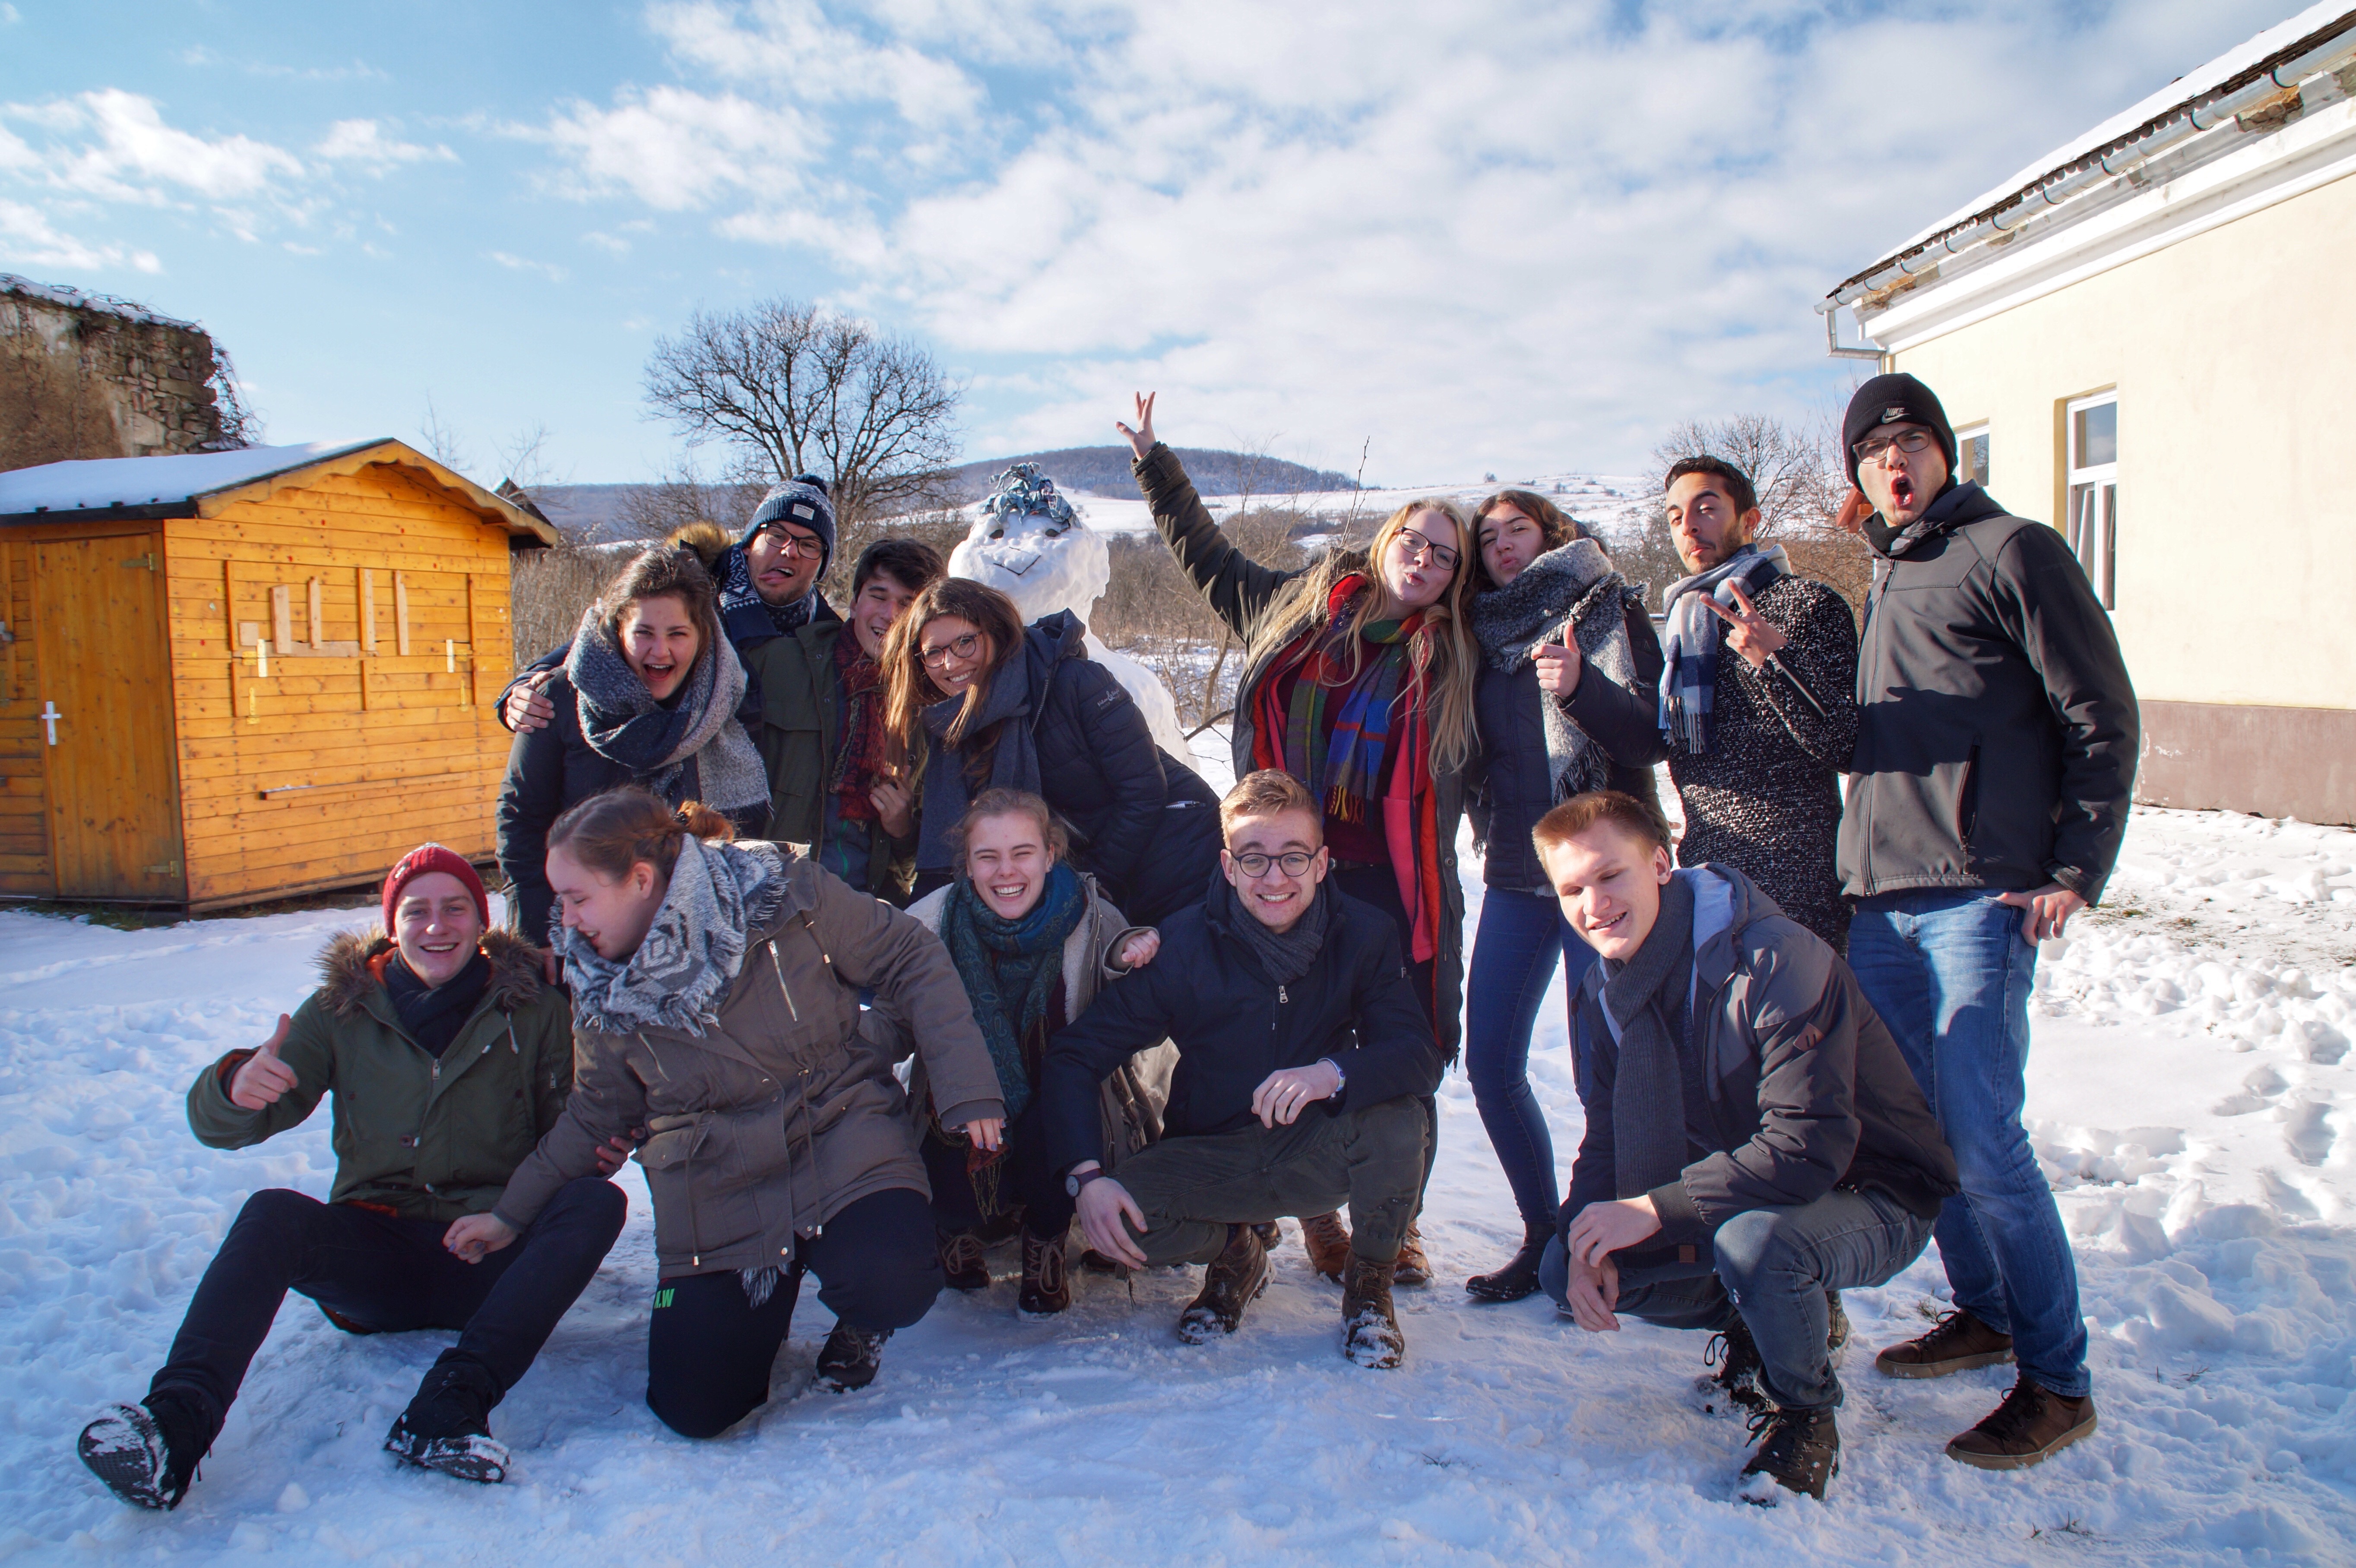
<point>1303,1058</point>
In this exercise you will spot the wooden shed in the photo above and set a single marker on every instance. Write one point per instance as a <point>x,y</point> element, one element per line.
<point>235,676</point>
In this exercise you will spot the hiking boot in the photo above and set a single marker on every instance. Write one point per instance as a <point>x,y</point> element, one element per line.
<point>1799,1451</point>
<point>1370,1331</point>
<point>1735,1385</point>
<point>1835,1327</point>
<point>1413,1267</point>
<point>2033,1423</point>
<point>1271,1234</point>
<point>1046,1285</point>
<point>849,1358</point>
<point>1327,1241</point>
<point>1956,1343</point>
<point>1519,1276</point>
<point>963,1263</point>
<point>447,1426</point>
<point>1234,1278</point>
<point>147,1452</point>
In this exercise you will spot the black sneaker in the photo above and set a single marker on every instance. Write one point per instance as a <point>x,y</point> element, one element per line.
<point>1735,1385</point>
<point>1799,1451</point>
<point>448,1427</point>
<point>849,1358</point>
<point>145,1457</point>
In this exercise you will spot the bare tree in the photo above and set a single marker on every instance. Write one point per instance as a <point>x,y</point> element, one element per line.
<point>441,441</point>
<point>1800,481</point>
<point>678,498</point>
<point>793,388</point>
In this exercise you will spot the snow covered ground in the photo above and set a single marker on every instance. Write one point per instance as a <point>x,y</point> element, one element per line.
<point>2190,1094</point>
<point>1616,502</point>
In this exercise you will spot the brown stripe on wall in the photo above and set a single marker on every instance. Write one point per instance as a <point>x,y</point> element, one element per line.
<point>2273,761</point>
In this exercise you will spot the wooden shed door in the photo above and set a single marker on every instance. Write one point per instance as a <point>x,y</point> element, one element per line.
<point>114,800</point>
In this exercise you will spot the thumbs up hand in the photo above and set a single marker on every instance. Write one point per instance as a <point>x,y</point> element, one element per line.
<point>263,1078</point>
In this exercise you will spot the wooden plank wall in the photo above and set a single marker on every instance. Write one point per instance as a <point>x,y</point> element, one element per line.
<point>336,762</point>
<point>24,824</point>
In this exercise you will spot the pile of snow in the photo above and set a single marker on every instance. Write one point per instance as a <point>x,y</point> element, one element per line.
<point>2188,1094</point>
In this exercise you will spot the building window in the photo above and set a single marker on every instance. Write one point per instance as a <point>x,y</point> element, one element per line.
<point>2094,528</point>
<point>1971,455</point>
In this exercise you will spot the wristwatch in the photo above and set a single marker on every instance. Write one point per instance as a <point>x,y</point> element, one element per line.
<point>1341,1078</point>
<point>1074,1182</point>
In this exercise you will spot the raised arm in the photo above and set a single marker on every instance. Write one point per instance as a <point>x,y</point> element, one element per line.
<point>302,1047</point>
<point>1237,587</point>
<point>1809,680</point>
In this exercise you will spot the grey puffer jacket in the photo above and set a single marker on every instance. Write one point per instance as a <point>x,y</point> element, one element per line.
<point>1996,728</point>
<point>777,1119</point>
<point>1806,1089</point>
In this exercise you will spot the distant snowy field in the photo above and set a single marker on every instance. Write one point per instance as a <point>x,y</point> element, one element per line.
<point>2191,1095</point>
<point>1617,504</point>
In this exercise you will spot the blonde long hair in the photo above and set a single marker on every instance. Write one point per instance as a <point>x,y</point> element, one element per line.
<point>1443,660</point>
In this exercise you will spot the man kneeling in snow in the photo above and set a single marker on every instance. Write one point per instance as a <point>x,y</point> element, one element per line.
<point>1754,1140</point>
<point>1279,994</point>
<point>449,1057</point>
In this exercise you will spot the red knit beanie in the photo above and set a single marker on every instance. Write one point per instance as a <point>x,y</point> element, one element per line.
<point>432,857</point>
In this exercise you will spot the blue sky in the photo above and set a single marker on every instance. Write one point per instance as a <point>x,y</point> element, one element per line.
<point>1471,237</point>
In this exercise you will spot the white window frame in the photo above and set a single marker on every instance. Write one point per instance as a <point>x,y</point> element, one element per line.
<point>2094,504</point>
<point>1968,434</point>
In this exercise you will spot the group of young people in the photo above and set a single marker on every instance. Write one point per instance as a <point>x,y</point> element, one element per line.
<point>885,939</point>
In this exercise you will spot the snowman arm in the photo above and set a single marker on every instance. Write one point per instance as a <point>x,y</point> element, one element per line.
<point>1237,587</point>
<point>1120,746</point>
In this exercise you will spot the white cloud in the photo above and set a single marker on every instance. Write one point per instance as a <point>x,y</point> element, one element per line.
<point>674,149</point>
<point>553,273</point>
<point>121,149</point>
<point>9,16</point>
<point>27,239</point>
<point>364,143</point>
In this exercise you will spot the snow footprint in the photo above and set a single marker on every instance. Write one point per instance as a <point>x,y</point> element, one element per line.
<point>2306,1128</point>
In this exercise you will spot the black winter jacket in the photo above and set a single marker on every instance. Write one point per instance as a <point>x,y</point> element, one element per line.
<point>1806,1089</point>
<point>1514,786</point>
<point>552,769</point>
<point>1997,726</point>
<point>1233,1025</point>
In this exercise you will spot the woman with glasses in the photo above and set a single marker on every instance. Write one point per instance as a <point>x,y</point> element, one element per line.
<point>1358,681</point>
<point>991,704</point>
<point>1546,586</point>
<point>651,693</point>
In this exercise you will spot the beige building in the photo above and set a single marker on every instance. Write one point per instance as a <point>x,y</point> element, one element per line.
<point>2148,338</point>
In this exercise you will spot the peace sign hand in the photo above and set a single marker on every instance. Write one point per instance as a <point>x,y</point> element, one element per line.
<point>1748,631</point>
<point>1141,440</point>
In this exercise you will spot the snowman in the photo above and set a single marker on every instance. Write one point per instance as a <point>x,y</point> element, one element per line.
<point>1030,545</point>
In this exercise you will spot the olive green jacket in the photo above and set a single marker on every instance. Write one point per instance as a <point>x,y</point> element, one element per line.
<point>797,739</point>
<point>431,1138</point>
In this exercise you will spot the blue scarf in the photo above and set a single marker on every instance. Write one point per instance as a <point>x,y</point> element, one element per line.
<point>1010,968</point>
<point>1692,636</point>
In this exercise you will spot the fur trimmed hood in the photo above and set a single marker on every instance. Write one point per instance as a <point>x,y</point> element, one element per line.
<point>345,975</point>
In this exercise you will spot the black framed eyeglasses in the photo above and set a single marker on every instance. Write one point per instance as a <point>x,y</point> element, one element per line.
<point>807,546</point>
<point>1252,863</point>
<point>1874,448</point>
<point>963,648</point>
<point>1415,544</point>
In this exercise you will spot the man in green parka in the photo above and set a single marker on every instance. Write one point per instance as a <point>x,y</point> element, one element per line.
<point>449,1056</point>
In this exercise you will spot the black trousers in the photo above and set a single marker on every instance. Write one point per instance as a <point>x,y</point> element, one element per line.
<point>710,1347</point>
<point>379,1273</point>
<point>1026,1175</point>
<point>1378,886</point>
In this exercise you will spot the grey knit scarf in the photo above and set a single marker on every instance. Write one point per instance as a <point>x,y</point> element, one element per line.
<point>718,894</point>
<point>1285,955</point>
<point>621,719</point>
<point>1647,1005</point>
<point>1013,763</point>
<point>1573,584</point>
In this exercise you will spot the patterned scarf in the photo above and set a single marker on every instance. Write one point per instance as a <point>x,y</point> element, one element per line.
<point>737,594</point>
<point>1572,586</point>
<point>861,750</point>
<point>718,894</point>
<point>1692,637</point>
<point>623,722</point>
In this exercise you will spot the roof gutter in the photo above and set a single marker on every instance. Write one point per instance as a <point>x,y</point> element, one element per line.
<point>2128,157</point>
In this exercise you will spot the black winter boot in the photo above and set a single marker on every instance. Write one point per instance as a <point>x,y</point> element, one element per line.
<point>1735,1385</point>
<point>849,1358</point>
<point>1234,1278</point>
<point>1370,1331</point>
<point>1519,1276</point>
<point>1799,1451</point>
<point>146,1453</point>
<point>448,1427</point>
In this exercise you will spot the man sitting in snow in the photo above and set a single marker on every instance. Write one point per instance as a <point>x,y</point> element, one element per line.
<point>449,1057</point>
<point>1754,1140</point>
<point>1279,998</point>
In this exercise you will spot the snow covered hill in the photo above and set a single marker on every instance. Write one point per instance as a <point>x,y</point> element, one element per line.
<point>2191,1097</point>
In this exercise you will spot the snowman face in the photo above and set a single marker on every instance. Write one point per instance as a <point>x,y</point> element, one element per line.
<point>1043,564</point>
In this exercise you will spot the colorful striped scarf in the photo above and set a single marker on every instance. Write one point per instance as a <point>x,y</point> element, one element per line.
<point>859,753</point>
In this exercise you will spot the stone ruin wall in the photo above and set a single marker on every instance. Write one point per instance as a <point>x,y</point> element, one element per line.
<point>85,376</point>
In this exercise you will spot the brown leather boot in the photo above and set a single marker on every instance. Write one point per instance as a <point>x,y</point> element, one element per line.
<point>964,1264</point>
<point>2033,1423</point>
<point>1413,1267</point>
<point>1370,1331</point>
<point>1234,1278</point>
<point>1327,1241</point>
<point>1046,1284</point>
<point>1955,1343</point>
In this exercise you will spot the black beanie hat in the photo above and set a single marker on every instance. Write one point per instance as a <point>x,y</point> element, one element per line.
<point>1893,400</point>
<point>802,502</point>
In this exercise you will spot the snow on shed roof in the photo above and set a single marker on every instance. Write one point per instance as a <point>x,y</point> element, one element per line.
<point>2323,18</point>
<point>59,492</point>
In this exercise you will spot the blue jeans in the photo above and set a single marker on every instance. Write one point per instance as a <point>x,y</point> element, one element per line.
<point>1773,1266</point>
<point>1512,958</point>
<point>1950,972</point>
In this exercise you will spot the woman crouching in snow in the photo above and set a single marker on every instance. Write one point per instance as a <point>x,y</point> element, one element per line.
<point>448,1056</point>
<point>715,995</point>
<point>1033,941</point>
